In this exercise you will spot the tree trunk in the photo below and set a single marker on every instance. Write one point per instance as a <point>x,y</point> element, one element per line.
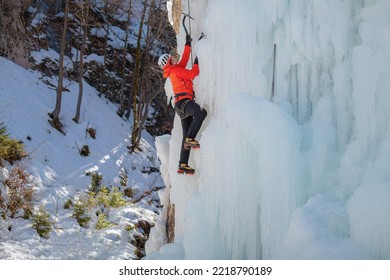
<point>55,122</point>
<point>136,83</point>
<point>13,37</point>
<point>103,73</point>
<point>84,23</point>
<point>147,92</point>
<point>121,110</point>
<point>109,7</point>
<point>143,115</point>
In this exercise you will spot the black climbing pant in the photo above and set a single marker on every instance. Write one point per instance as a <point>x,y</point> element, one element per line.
<point>192,117</point>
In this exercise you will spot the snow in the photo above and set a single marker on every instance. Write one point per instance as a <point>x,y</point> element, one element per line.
<point>59,172</point>
<point>303,174</point>
<point>42,54</point>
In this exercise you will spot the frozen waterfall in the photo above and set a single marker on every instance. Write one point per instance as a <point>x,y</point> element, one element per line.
<point>303,173</point>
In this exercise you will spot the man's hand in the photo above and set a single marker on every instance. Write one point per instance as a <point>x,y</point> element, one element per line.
<point>188,40</point>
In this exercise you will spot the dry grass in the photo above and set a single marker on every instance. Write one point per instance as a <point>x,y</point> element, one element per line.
<point>20,192</point>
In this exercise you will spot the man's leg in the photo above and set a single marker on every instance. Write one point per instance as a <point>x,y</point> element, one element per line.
<point>199,114</point>
<point>184,168</point>
<point>185,153</point>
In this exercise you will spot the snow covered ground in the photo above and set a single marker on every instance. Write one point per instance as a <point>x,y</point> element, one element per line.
<point>59,172</point>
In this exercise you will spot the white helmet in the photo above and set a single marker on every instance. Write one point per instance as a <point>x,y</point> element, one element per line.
<point>162,61</point>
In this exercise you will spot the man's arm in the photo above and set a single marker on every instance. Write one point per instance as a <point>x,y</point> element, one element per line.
<point>188,74</point>
<point>185,57</point>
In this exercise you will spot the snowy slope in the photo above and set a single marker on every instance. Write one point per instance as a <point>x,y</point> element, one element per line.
<point>59,172</point>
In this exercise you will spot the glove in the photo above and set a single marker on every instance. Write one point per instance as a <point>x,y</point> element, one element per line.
<point>188,40</point>
<point>196,60</point>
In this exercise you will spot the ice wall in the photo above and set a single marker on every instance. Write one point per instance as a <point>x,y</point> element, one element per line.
<point>301,173</point>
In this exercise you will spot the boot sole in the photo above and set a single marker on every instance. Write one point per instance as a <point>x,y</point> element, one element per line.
<point>193,147</point>
<point>181,172</point>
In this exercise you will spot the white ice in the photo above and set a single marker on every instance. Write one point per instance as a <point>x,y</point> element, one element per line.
<point>300,174</point>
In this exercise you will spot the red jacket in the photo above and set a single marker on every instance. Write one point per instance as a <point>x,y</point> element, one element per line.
<point>181,77</point>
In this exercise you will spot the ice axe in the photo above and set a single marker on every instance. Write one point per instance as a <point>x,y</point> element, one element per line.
<point>184,25</point>
<point>202,35</point>
<point>185,28</point>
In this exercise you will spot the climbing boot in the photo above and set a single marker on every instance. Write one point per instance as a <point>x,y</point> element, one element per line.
<point>185,169</point>
<point>191,143</point>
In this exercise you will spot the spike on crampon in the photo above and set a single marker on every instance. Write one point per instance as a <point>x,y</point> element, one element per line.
<point>181,172</point>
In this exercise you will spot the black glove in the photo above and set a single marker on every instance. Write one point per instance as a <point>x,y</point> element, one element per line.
<point>188,40</point>
<point>196,60</point>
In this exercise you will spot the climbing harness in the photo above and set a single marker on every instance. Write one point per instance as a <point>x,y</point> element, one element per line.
<point>180,108</point>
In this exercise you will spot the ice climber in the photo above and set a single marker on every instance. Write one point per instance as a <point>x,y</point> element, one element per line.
<point>190,113</point>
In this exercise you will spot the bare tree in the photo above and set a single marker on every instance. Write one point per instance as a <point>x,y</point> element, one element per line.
<point>144,102</point>
<point>110,6</point>
<point>122,107</point>
<point>105,25</point>
<point>150,81</point>
<point>84,8</point>
<point>55,121</point>
<point>136,84</point>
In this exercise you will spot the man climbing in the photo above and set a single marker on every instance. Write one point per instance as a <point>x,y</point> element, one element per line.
<point>191,114</point>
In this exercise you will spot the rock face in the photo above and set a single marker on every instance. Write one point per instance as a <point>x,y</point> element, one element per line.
<point>13,36</point>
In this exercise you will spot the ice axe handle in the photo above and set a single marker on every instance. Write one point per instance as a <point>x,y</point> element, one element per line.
<point>202,35</point>
<point>184,25</point>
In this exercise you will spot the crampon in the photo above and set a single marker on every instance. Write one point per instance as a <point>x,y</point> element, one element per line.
<point>191,143</point>
<point>185,169</point>
<point>181,172</point>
